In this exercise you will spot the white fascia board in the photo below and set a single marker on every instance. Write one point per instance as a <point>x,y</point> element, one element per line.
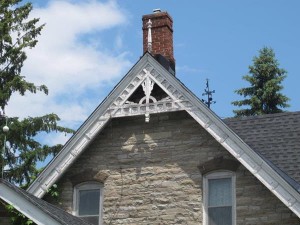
<point>83,137</point>
<point>205,117</point>
<point>26,207</point>
<point>250,159</point>
<point>237,147</point>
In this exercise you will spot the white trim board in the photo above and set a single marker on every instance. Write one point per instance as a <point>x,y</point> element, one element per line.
<point>26,207</point>
<point>182,99</point>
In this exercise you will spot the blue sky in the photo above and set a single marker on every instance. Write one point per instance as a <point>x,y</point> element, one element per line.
<point>218,39</point>
<point>88,45</point>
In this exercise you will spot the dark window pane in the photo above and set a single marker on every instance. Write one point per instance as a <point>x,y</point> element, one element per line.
<point>220,216</point>
<point>89,202</point>
<point>219,192</point>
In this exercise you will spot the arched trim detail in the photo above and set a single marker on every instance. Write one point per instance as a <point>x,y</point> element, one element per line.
<point>219,163</point>
<point>89,175</point>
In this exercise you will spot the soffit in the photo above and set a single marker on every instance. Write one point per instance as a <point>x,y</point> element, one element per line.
<point>146,71</point>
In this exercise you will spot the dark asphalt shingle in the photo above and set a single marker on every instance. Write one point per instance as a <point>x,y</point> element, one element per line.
<point>274,136</point>
<point>56,213</point>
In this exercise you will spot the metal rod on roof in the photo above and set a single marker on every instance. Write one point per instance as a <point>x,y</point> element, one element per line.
<point>149,24</point>
<point>209,93</point>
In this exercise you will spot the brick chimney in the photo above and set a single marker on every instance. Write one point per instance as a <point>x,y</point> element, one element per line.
<point>162,38</point>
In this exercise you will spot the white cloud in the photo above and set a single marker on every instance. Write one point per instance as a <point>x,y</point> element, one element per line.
<point>70,58</point>
<point>119,42</point>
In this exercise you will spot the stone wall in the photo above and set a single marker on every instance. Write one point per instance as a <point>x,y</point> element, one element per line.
<point>151,176</point>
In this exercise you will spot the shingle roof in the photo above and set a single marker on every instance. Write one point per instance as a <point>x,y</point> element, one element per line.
<point>276,137</point>
<point>56,213</point>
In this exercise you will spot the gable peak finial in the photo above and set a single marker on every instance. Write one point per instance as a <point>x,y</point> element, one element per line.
<point>149,25</point>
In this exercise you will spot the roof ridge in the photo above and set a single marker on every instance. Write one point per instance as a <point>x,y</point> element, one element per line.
<point>281,114</point>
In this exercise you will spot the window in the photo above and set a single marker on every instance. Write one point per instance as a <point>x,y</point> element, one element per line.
<point>88,202</point>
<point>219,198</point>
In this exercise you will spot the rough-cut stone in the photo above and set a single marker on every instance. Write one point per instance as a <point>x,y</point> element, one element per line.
<point>152,174</point>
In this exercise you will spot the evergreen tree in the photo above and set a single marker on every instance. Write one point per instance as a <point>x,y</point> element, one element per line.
<point>21,151</point>
<point>263,95</point>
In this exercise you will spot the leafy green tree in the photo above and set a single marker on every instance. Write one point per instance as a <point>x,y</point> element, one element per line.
<point>22,150</point>
<point>265,78</point>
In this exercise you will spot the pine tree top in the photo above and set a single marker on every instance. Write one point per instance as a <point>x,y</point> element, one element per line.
<point>263,95</point>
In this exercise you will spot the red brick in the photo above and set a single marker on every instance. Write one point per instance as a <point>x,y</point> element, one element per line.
<point>162,34</point>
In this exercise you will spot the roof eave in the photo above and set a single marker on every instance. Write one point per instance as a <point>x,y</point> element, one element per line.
<point>203,115</point>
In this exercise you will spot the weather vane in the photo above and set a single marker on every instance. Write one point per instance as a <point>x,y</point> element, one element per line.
<point>209,93</point>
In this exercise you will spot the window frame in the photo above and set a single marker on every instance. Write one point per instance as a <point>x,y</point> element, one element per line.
<point>219,175</point>
<point>87,186</point>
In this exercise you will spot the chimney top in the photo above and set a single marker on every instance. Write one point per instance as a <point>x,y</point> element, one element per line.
<point>162,38</point>
<point>156,10</point>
